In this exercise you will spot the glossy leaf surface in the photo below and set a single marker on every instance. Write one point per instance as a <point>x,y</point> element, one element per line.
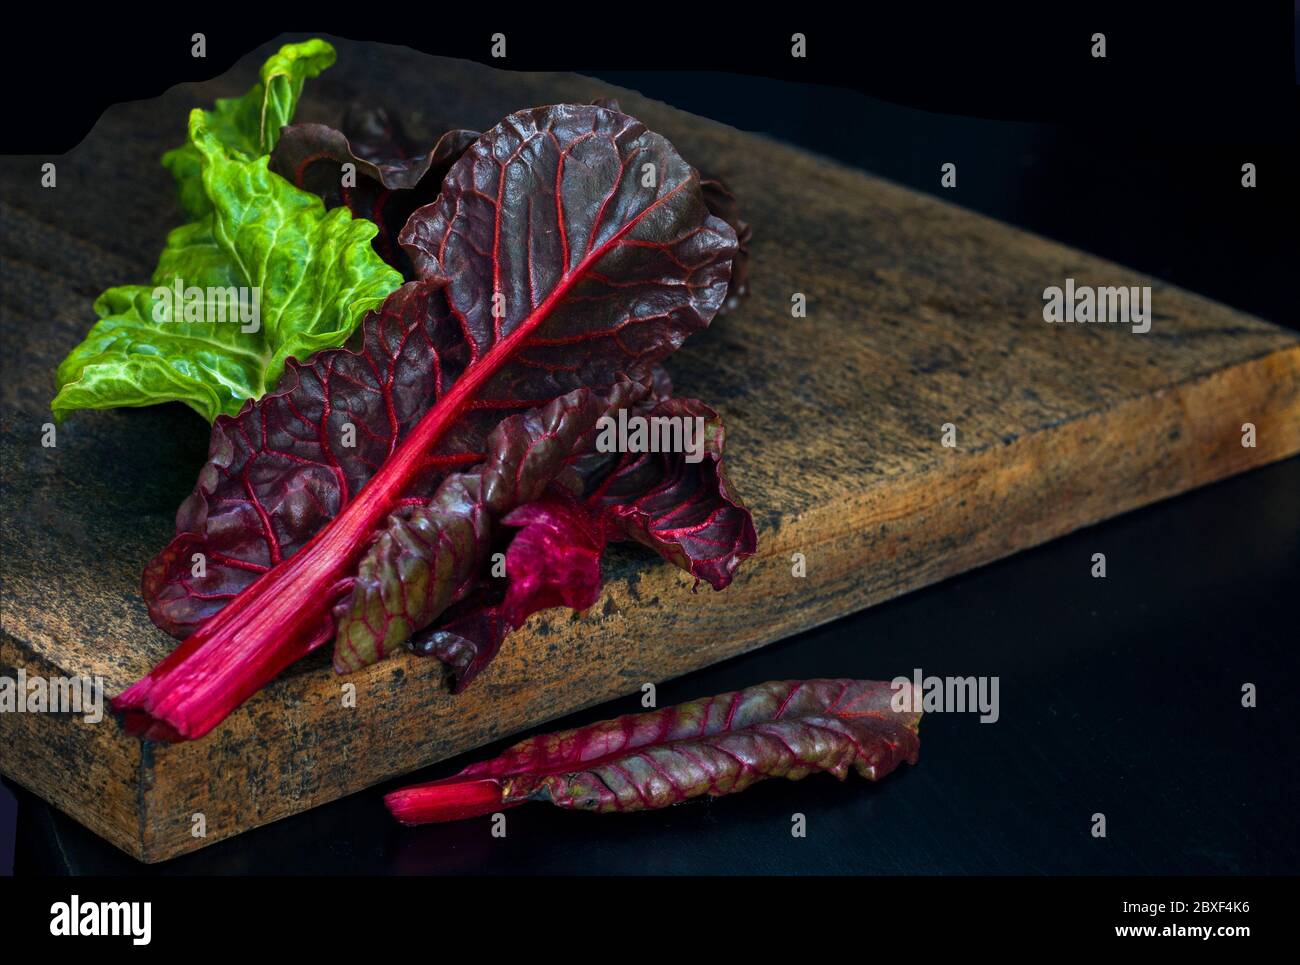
<point>266,275</point>
<point>717,746</point>
<point>249,126</point>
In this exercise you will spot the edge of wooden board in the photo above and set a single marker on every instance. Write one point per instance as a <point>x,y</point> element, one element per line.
<point>264,764</point>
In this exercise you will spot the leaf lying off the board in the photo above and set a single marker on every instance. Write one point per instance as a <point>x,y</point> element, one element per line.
<point>719,745</point>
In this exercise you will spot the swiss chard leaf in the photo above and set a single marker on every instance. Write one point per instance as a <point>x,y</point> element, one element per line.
<point>249,126</point>
<point>569,248</point>
<point>553,561</point>
<point>716,746</point>
<point>685,511</point>
<point>430,555</point>
<point>390,181</point>
<point>266,275</point>
<point>722,202</point>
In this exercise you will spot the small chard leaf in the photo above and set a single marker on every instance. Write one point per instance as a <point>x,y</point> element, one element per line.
<point>378,135</point>
<point>555,557</point>
<point>553,561</point>
<point>717,746</point>
<point>390,182</point>
<point>265,276</point>
<point>249,126</point>
<point>550,262</point>
<point>679,504</point>
<point>684,510</point>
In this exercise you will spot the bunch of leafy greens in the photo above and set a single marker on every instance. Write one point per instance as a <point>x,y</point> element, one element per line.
<point>262,274</point>
<point>568,253</point>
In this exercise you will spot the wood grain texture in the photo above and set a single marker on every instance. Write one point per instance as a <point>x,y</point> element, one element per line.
<point>920,313</point>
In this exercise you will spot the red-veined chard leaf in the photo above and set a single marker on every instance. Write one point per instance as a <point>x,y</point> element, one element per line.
<point>430,555</point>
<point>554,560</point>
<point>685,511</point>
<point>569,248</point>
<point>722,203</point>
<point>720,745</point>
<point>392,179</point>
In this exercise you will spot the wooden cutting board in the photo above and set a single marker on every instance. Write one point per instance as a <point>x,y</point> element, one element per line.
<point>919,314</point>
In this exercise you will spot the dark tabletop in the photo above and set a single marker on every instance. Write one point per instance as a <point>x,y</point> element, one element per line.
<point>1120,696</point>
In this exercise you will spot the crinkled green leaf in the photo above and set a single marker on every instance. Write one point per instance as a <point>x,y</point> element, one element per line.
<point>315,272</point>
<point>249,126</point>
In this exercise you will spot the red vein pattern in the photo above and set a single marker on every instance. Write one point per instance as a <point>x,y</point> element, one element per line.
<point>428,556</point>
<point>393,179</point>
<point>279,471</point>
<point>686,512</point>
<point>514,306</point>
<point>554,560</point>
<point>720,745</point>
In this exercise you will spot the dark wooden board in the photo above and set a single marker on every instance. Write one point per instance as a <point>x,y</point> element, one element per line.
<point>920,313</point>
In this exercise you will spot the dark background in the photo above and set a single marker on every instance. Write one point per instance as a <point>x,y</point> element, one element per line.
<point>1120,695</point>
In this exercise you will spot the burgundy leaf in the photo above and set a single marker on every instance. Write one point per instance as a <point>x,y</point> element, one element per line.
<point>390,184</point>
<point>377,134</point>
<point>716,746</point>
<point>555,558</point>
<point>722,203</point>
<point>549,262</point>
<point>428,556</point>
<point>469,635</point>
<point>394,179</point>
<point>684,511</point>
<point>553,561</point>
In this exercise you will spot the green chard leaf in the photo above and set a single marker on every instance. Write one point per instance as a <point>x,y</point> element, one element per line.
<point>249,126</point>
<point>266,275</point>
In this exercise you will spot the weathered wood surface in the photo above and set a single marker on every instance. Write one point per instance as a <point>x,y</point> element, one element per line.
<point>920,313</point>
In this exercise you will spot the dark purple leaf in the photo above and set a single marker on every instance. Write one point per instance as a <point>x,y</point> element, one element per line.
<point>554,560</point>
<point>429,556</point>
<point>722,203</point>
<point>388,187</point>
<point>684,511</point>
<point>393,179</point>
<point>716,746</point>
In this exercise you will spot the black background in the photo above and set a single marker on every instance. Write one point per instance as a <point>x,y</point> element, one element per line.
<point>1120,695</point>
